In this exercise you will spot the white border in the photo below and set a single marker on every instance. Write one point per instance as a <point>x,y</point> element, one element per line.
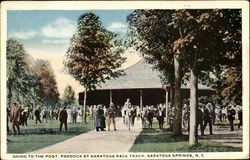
<point>104,5</point>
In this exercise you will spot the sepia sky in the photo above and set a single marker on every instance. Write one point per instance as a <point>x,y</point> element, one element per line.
<point>46,35</point>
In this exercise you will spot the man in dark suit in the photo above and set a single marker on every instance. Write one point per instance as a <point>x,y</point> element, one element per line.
<point>208,118</point>
<point>240,118</point>
<point>150,117</point>
<point>63,119</point>
<point>231,117</point>
<point>199,120</point>
<point>160,117</point>
<point>37,115</point>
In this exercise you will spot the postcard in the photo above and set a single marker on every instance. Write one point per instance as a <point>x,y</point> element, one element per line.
<point>124,80</point>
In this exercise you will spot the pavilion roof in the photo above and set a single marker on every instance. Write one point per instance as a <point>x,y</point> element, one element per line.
<point>139,75</point>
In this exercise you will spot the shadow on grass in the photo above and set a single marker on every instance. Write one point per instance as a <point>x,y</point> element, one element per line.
<point>52,127</point>
<point>71,131</point>
<point>154,135</point>
<point>205,146</point>
<point>34,137</point>
<point>224,137</point>
<point>163,140</point>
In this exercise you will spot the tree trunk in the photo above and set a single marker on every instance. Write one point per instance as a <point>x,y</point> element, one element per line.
<point>170,107</point>
<point>166,106</point>
<point>177,100</point>
<point>172,96</point>
<point>84,107</point>
<point>193,135</point>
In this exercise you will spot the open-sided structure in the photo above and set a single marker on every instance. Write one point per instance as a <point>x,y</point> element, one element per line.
<point>141,84</point>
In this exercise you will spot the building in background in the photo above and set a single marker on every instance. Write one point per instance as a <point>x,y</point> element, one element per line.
<point>141,84</point>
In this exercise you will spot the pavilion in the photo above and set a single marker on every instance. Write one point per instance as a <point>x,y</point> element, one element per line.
<point>141,84</point>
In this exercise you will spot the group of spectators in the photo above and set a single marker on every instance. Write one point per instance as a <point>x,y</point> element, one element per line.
<point>206,115</point>
<point>146,114</point>
<point>19,115</point>
<point>129,114</point>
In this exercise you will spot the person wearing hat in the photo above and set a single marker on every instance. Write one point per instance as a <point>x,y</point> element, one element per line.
<point>231,117</point>
<point>150,116</point>
<point>111,115</point>
<point>99,119</point>
<point>37,115</point>
<point>25,115</point>
<point>199,120</point>
<point>133,115</point>
<point>207,118</point>
<point>15,115</point>
<point>63,116</point>
<point>240,117</point>
<point>160,117</point>
<point>128,104</point>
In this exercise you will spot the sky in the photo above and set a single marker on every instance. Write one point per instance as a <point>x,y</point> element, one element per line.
<point>46,35</point>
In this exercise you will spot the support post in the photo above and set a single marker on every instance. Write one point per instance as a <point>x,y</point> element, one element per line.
<point>84,107</point>
<point>140,98</point>
<point>110,96</point>
<point>166,105</point>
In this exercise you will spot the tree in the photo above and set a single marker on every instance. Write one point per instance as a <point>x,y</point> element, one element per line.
<point>48,91</point>
<point>22,84</point>
<point>206,47</point>
<point>47,86</point>
<point>232,84</point>
<point>69,95</point>
<point>41,63</point>
<point>155,38</point>
<point>94,55</point>
<point>196,40</point>
<point>227,74</point>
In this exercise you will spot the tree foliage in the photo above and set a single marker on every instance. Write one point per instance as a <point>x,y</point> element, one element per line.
<point>149,35</point>
<point>41,63</point>
<point>153,35</point>
<point>68,95</point>
<point>48,91</point>
<point>200,41</point>
<point>94,54</point>
<point>22,84</point>
<point>227,72</point>
<point>29,82</point>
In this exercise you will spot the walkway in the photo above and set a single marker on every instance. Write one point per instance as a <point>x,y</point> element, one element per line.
<point>98,142</point>
<point>222,134</point>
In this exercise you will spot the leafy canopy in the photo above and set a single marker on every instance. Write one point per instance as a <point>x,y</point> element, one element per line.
<point>69,95</point>
<point>94,54</point>
<point>22,84</point>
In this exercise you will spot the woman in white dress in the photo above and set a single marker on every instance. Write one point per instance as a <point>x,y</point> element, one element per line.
<point>69,113</point>
<point>79,115</point>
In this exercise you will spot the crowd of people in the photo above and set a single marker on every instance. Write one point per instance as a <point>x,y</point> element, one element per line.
<point>129,114</point>
<point>207,114</point>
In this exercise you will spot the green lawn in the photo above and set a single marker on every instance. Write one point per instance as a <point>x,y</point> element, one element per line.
<point>36,136</point>
<point>236,122</point>
<point>156,140</point>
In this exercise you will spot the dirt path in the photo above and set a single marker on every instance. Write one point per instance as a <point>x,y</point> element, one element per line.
<point>98,142</point>
<point>222,134</point>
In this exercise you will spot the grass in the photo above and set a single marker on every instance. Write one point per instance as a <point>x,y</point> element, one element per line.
<point>157,140</point>
<point>236,122</point>
<point>36,136</point>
